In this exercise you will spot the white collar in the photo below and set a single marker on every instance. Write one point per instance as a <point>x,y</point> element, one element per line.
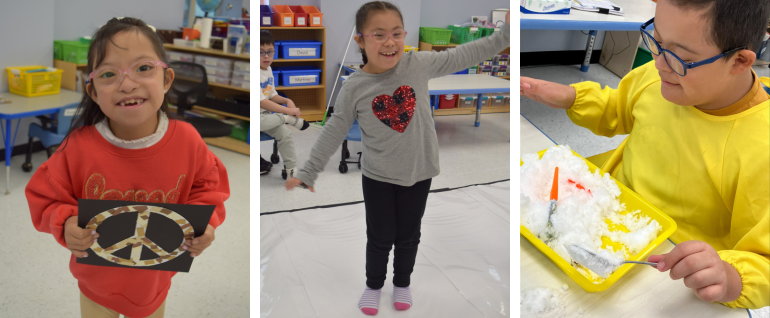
<point>103,128</point>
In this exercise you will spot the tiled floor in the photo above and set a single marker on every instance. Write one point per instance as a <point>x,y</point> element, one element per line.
<point>35,280</point>
<point>467,154</point>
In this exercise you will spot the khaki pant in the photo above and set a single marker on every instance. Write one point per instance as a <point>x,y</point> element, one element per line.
<point>90,309</point>
<point>275,126</point>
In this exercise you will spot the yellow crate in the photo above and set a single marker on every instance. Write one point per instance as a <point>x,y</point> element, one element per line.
<point>34,84</point>
<point>408,48</point>
<point>633,202</point>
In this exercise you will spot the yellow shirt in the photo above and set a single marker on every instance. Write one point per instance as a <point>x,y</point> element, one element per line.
<point>711,174</point>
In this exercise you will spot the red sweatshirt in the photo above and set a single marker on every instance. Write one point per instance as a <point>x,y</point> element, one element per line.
<point>178,169</point>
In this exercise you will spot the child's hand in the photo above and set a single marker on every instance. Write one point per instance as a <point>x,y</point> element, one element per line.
<point>198,244</point>
<point>78,239</point>
<point>552,94</point>
<point>711,278</point>
<point>293,182</point>
<point>293,112</point>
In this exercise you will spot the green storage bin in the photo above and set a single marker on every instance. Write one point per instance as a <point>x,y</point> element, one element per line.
<point>435,36</point>
<point>462,35</point>
<point>486,31</point>
<point>57,50</point>
<point>75,52</point>
<point>240,131</point>
<point>642,57</point>
<point>85,40</point>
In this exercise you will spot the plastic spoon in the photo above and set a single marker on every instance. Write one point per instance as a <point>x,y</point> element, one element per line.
<point>602,265</point>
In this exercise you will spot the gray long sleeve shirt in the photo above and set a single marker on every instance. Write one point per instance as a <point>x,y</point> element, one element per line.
<point>393,110</point>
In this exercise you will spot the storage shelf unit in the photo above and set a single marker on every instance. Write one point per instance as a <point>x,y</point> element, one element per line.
<point>311,100</point>
<point>220,91</point>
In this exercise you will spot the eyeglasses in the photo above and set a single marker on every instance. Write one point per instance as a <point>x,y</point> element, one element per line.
<point>674,62</point>
<point>382,36</point>
<point>140,71</point>
<point>266,54</point>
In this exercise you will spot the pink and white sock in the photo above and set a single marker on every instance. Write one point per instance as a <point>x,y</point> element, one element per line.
<point>370,301</point>
<point>402,298</point>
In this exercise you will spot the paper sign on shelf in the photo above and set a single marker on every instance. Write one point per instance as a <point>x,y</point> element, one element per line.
<point>302,79</point>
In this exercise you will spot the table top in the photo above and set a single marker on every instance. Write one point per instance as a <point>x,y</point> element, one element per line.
<point>21,106</point>
<point>465,84</point>
<point>637,12</point>
<point>642,292</point>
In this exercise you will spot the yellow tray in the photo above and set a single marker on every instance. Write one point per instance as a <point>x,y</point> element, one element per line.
<point>633,202</point>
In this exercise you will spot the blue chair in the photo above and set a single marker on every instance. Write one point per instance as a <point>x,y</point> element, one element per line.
<point>51,133</point>
<point>265,137</point>
<point>353,135</point>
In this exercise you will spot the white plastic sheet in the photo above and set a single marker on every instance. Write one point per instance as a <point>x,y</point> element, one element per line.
<point>313,261</point>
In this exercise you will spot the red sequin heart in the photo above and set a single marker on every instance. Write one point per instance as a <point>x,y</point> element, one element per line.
<point>395,112</point>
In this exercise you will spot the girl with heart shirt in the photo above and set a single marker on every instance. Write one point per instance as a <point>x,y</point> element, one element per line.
<point>389,98</point>
<point>125,145</point>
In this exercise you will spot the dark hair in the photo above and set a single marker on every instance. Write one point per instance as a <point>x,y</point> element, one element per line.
<point>363,14</point>
<point>88,111</point>
<point>732,23</point>
<point>266,38</point>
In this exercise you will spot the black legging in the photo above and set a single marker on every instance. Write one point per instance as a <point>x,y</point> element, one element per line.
<point>393,216</point>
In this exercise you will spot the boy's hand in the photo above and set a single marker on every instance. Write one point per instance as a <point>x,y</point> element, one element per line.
<point>78,239</point>
<point>293,182</point>
<point>711,278</point>
<point>552,94</point>
<point>293,112</point>
<point>198,244</point>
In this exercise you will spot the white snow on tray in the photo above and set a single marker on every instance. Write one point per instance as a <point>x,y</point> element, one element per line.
<point>585,201</point>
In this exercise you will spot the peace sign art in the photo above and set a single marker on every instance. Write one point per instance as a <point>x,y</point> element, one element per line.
<point>142,235</point>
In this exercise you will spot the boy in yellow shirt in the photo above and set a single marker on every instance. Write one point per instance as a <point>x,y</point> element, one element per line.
<point>698,145</point>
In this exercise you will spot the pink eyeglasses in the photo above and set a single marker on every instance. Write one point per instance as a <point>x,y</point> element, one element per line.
<point>140,71</point>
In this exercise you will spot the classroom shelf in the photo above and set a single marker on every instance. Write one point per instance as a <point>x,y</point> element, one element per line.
<point>285,88</point>
<point>219,53</point>
<point>292,28</point>
<point>311,100</point>
<point>298,60</point>
<point>472,110</point>
<point>221,85</point>
<point>219,112</point>
<point>230,87</point>
<point>229,143</point>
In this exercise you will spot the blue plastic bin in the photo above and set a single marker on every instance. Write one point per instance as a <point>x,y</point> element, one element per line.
<point>276,77</point>
<point>308,49</point>
<point>302,75</point>
<point>465,71</point>
<point>265,16</point>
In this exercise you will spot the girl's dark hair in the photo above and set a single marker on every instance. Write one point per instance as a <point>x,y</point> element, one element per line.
<point>266,38</point>
<point>732,23</point>
<point>88,111</point>
<point>363,14</point>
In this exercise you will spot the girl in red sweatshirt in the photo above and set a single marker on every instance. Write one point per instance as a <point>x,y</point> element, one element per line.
<point>124,146</point>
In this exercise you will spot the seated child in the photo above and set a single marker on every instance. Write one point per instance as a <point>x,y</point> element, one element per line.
<point>697,147</point>
<point>274,115</point>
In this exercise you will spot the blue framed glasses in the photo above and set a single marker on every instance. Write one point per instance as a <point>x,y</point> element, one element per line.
<point>677,64</point>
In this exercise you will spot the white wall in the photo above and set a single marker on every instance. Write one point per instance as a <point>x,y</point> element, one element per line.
<point>76,18</point>
<point>26,39</point>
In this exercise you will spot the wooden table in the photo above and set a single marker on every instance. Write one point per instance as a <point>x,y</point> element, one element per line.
<point>642,292</point>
